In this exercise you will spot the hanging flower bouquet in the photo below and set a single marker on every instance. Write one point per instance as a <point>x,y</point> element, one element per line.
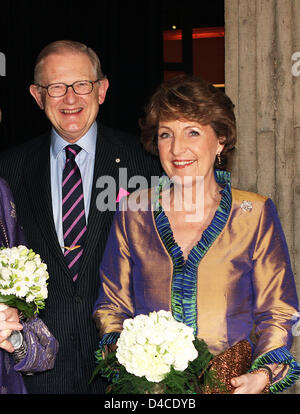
<point>156,354</point>
<point>23,280</point>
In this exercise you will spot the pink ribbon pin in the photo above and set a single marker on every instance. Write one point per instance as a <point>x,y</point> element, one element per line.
<point>122,193</point>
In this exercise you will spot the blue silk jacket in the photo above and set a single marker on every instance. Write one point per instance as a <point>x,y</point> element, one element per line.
<point>237,282</point>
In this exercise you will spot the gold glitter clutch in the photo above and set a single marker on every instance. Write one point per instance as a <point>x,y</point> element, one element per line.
<point>233,362</point>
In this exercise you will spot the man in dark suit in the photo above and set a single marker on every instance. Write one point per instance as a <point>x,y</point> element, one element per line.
<point>69,86</point>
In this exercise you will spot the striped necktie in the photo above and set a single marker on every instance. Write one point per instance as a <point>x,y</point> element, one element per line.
<point>73,214</point>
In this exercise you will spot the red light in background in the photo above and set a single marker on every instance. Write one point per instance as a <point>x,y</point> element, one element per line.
<point>199,33</point>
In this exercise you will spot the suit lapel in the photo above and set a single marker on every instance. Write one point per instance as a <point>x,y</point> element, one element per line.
<point>38,184</point>
<point>108,150</point>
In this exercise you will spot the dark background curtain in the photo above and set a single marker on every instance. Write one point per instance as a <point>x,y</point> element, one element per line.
<point>127,35</point>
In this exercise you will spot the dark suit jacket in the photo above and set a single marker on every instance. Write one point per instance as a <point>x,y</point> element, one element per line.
<point>69,306</point>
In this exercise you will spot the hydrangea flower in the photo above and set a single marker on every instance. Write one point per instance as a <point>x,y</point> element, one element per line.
<point>23,275</point>
<point>150,345</point>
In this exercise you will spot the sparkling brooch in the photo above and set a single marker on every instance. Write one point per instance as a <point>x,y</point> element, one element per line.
<point>246,205</point>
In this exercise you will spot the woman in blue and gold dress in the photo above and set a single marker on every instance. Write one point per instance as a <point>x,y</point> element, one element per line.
<point>214,255</point>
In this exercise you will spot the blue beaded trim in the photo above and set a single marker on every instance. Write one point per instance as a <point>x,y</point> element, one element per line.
<point>279,356</point>
<point>184,281</point>
<point>108,339</point>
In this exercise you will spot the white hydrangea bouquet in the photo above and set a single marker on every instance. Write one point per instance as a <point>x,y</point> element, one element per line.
<point>23,280</point>
<point>156,354</point>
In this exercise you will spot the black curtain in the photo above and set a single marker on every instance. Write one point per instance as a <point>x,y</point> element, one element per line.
<point>126,34</point>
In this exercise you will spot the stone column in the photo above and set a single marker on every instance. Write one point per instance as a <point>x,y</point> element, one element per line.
<point>262,68</point>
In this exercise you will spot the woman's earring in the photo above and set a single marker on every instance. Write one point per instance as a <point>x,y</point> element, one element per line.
<point>219,161</point>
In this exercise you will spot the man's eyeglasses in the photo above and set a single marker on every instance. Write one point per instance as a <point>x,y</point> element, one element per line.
<point>56,90</point>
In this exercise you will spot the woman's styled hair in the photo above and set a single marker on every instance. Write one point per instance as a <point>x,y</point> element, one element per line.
<point>189,98</point>
<point>61,46</point>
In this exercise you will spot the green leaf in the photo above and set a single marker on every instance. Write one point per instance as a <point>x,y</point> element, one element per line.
<point>191,381</point>
<point>28,309</point>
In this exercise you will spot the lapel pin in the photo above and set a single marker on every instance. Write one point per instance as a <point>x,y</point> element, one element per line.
<point>118,160</point>
<point>122,193</point>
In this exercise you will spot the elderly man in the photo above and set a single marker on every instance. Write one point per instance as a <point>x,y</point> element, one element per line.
<point>55,182</point>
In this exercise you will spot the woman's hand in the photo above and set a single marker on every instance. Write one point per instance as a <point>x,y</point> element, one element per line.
<point>250,383</point>
<point>112,347</point>
<point>108,349</point>
<point>9,321</point>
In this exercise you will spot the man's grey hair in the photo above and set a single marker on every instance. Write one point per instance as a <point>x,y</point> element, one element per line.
<point>61,46</point>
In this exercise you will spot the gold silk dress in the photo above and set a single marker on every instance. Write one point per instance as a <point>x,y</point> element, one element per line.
<point>236,284</point>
